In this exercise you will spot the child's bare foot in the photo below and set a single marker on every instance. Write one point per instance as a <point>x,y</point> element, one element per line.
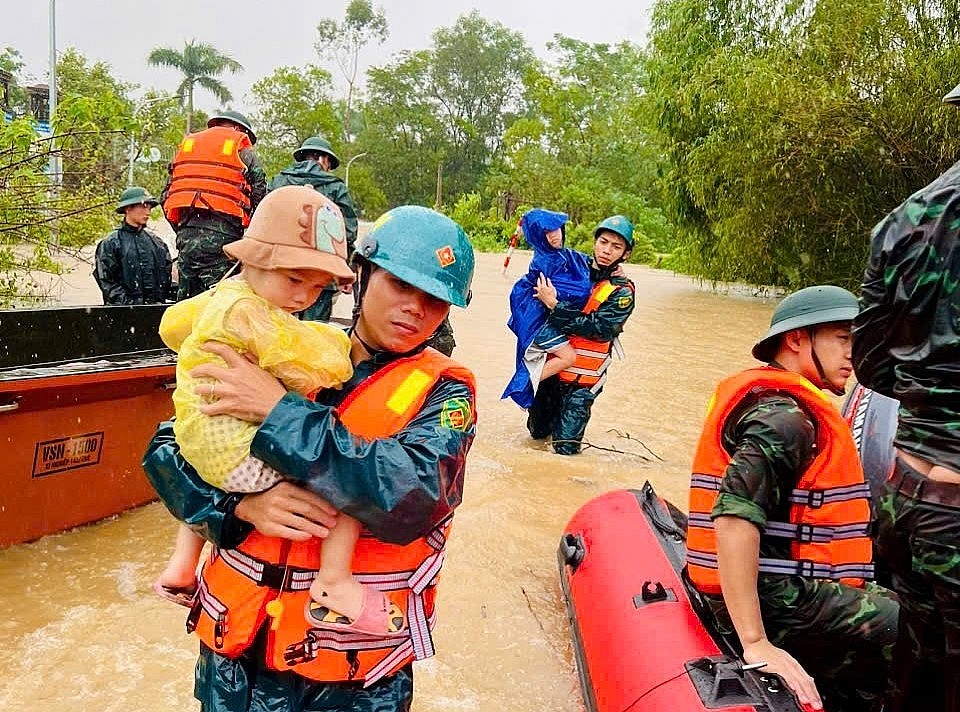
<point>178,582</point>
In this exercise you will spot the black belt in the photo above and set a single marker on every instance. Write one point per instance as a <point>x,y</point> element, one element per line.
<point>915,485</point>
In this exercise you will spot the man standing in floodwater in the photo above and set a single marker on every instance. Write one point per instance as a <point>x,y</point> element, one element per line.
<point>562,405</point>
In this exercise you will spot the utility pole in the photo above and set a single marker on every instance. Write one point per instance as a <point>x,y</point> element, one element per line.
<point>55,171</point>
<point>439,200</point>
<point>346,176</point>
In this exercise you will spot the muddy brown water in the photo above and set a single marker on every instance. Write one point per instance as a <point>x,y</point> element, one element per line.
<point>81,630</point>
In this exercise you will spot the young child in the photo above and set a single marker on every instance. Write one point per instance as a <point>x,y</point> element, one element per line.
<point>294,246</point>
<point>542,351</point>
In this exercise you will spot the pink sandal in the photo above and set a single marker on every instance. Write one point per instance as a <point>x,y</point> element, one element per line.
<point>379,616</point>
<point>181,595</point>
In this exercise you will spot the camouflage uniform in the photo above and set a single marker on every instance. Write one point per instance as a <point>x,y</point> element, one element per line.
<point>843,636</point>
<point>201,235</point>
<point>309,173</point>
<point>907,346</point>
<point>562,409</point>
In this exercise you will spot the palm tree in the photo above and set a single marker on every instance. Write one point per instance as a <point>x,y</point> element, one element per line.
<point>200,63</point>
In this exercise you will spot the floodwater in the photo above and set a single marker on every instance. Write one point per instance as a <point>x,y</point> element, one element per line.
<point>83,632</point>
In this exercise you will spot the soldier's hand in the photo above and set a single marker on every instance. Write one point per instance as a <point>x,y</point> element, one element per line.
<point>780,662</point>
<point>240,388</point>
<point>288,511</point>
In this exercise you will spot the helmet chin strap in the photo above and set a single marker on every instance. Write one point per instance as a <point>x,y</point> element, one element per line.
<point>366,269</point>
<point>824,383</point>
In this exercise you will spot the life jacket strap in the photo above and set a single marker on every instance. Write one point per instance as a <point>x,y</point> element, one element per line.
<point>816,498</point>
<point>263,573</point>
<point>803,533</point>
<point>789,567</point>
<point>419,643</point>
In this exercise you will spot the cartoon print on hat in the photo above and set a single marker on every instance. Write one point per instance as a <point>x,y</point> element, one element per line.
<point>329,229</point>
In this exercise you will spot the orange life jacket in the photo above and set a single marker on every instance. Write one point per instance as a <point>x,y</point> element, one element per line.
<point>593,357</point>
<point>829,512</point>
<point>237,585</point>
<point>207,173</point>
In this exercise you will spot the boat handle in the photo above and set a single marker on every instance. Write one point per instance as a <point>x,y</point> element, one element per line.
<point>572,550</point>
<point>9,407</point>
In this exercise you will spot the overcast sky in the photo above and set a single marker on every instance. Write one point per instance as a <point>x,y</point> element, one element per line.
<point>264,34</point>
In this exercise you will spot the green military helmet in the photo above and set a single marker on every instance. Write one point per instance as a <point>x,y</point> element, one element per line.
<point>135,195</point>
<point>423,248</point>
<point>822,304</point>
<point>237,118</point>
<point>317,144</point>
<point>620,225</point>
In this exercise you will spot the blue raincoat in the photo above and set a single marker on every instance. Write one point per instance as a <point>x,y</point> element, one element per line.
<point>567,269</point>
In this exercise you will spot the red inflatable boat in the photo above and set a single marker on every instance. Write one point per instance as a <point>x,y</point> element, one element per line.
<point>640,644</point>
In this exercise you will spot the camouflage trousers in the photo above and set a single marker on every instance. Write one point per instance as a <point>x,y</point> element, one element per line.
<point>201,261</point>
<point>245,685</point>
<point>842,636</point>
<point>920,543</point>
<point>561,410</point>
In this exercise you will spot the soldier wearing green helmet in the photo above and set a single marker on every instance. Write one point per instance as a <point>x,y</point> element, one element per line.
<point>314,163</point>
<point>401,475</point>
<point>132,264</point>
<point>216,182</point>
<point>907,346</point>
<point>778,536</point>
<point>563,403</point>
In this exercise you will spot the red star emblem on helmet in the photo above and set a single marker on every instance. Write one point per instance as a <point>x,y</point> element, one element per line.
<point>445,256</point>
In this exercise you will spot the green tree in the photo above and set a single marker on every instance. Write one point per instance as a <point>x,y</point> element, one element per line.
<point>16,99</point>
<point>789,129</point>
<point>95,104</point>
<point>582,147</point>
<point>201,64</point>
<point>158,123</point>
<point>476,79</point>
<point>292,104</point>
<point>341,42</point>
<point>403,134</point>
<point>444,110</point>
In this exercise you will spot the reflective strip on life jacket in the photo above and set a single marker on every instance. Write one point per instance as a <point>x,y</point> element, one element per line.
<point>237,585</point>
<point>207,173</point>
<point>800,532</point>
<point>788,567</point>
<point>592,357</point>
<point>829,507</point>
<point>816,498</point>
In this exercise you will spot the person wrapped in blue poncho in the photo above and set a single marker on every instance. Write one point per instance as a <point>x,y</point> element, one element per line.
<point>542,350</point>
